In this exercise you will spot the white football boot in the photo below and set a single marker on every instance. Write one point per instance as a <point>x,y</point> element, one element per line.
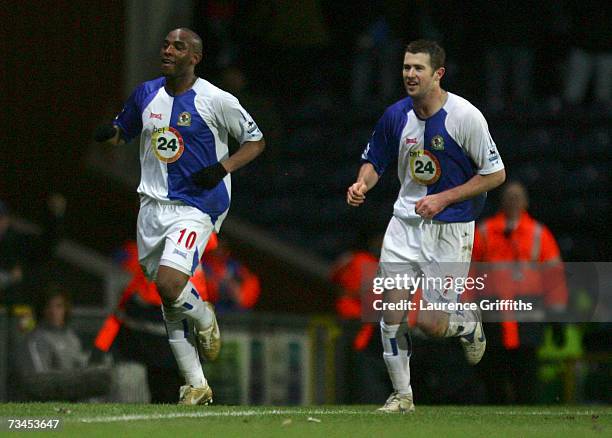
<point>189,396</point>
<point>397,403</point>
<point>474,344</point>
<point>209,340</point>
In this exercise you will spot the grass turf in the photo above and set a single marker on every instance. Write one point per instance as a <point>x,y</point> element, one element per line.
<point>121,420</point>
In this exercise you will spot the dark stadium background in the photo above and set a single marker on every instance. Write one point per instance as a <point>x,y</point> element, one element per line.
<point>64,69</point>
<point>63,73</point>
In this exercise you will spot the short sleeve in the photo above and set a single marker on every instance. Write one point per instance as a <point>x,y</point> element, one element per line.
<point>130,117</point>
<point>478,143</point>
<point>383,146</point>
<point>236,120</point>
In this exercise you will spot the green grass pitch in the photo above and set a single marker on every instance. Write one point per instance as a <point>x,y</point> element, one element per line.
<point>121,420</point>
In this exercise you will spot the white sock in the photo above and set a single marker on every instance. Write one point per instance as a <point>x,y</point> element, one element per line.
<point>397,348</point>
<point>461,324</point>
<point>190,304</point>
<point>183,347</point>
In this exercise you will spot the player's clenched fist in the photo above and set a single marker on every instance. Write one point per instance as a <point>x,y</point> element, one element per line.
<point>356,194</point>
<point>430,205</point>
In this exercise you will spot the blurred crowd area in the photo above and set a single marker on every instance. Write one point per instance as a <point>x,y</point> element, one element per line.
<point>522,57</point>
<point>317,77</point>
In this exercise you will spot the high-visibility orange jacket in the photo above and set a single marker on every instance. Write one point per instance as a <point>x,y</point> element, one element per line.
<point>142,292</point>
<point>354,273</point>
<point>523,262</point>
<point>226,282</point>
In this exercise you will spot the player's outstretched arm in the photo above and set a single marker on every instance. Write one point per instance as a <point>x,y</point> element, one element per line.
<point>366,179</point>
<point>210,176</point>
<point>108,133</point>
<point>431,205</point>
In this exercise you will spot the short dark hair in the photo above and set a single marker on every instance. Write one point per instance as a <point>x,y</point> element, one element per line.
<point>437,55</point>
<point>196,41</point>
<point>50,291</point>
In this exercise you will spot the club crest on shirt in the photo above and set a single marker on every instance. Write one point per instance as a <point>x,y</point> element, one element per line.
<point>184,119</point>
<point>437,143</point>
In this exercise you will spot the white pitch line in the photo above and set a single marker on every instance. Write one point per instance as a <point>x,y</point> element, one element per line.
<point>515,413</point>
<point>278,412</point>
<point>250,413</point>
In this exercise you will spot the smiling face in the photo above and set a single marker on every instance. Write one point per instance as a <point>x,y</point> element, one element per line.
<point>180,53</point>
<point>419,76</point>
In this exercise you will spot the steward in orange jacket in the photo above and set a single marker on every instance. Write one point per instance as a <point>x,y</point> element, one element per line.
<point>523,262</point>
<point>364,374</point>
<point>523,259</point>
<point>354,272</point>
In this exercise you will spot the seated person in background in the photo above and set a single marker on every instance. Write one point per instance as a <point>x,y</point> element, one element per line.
<point>52,364</point>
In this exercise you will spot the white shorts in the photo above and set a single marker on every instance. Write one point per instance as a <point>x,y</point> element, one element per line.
<point>433,249</point>
<point>171,234</point>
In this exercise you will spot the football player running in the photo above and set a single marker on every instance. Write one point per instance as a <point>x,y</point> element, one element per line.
<point>447,161</point>
<point>183,122</point>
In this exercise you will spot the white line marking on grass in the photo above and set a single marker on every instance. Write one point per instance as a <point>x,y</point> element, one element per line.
<point>279,412</point>
<point>248,413</point>
<point>554,413</point>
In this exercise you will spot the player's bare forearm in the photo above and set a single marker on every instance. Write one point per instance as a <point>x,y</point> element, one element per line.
<point>366,179</point>
<point>117,140</point>
<point>474,186</point>
<point>431,205</point>
<point>209,177</point>
<point>248,152</point>
<point>368,175</point>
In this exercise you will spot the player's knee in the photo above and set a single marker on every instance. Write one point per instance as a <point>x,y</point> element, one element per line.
<point>392,318</point>
<point>388,329</point>
<point>169,287</point>
<point>432,326</point>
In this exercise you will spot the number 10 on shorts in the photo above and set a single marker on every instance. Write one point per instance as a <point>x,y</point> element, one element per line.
<point>190,240</point>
